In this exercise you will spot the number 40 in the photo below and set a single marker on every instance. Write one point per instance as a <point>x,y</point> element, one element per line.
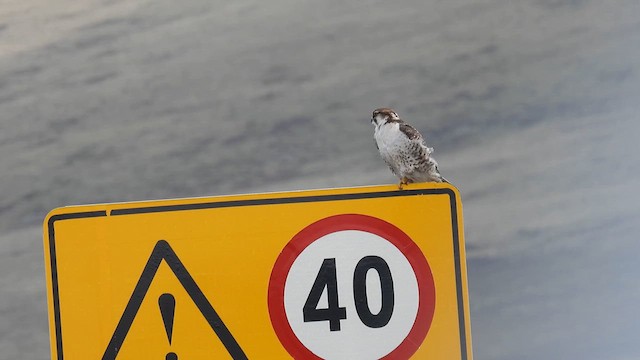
<point>334,313</point>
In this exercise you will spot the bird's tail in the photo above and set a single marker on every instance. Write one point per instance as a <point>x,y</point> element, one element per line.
<point>442,179</point>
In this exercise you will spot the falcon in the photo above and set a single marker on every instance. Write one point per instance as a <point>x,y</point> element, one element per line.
<point>403,149</point>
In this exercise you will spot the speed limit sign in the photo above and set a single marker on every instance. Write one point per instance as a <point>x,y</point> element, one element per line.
<point>351,286</point>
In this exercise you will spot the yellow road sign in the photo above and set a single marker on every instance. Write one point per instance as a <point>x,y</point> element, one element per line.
<point>352,273</point>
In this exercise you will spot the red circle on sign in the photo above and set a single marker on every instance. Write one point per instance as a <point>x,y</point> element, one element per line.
<point>421,269</point>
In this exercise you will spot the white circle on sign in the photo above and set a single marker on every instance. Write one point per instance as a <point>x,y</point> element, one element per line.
<point>354,339</point>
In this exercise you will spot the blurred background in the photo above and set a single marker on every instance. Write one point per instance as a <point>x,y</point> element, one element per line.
<point>532,106</point>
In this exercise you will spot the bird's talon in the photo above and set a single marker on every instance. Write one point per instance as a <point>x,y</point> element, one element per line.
<point>403,181</point>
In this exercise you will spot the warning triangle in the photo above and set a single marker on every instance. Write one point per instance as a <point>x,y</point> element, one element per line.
<point>162,251</point>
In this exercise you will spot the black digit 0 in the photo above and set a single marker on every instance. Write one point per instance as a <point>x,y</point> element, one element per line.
<point>333,313</point>
<point>360,291</point>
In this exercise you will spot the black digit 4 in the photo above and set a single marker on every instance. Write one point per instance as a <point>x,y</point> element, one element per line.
<point>333,313</point>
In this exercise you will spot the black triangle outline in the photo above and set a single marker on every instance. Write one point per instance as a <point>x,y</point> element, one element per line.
<point>162,251</point>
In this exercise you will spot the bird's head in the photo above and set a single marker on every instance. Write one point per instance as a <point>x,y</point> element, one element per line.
<point>383,115</point>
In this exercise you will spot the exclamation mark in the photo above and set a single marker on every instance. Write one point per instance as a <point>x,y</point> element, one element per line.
<point>167,305</point>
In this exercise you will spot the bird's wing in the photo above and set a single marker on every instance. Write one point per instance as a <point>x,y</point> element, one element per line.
<point>410,132</point>
<point>415,137</point>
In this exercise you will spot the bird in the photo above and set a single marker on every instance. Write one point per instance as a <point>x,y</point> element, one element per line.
<point>403,148</point>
